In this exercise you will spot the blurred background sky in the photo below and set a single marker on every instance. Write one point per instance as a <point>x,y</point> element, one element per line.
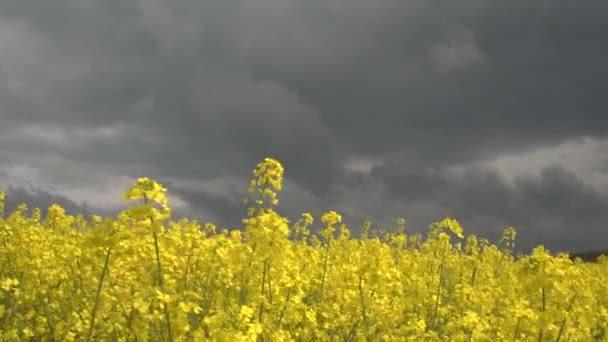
<point>492,112</point>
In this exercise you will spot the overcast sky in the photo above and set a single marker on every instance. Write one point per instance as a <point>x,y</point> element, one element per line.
<point>492,112</point>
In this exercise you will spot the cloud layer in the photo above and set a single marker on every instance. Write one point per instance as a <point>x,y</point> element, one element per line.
<point>490,111</point>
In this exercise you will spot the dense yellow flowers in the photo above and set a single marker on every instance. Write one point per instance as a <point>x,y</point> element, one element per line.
<point>142,277</point>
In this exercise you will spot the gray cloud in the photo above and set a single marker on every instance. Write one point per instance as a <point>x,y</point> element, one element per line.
<point>555,209</point>
<point>456,108</point>
<point>35,198</point>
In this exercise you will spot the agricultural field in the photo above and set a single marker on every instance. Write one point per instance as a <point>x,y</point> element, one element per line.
<point>143,277</point>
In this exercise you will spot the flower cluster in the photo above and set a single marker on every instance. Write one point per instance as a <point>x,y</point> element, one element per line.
<point>143,276</point>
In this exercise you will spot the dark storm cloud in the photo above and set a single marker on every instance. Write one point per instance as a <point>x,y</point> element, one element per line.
<point>223,208</point>
<point>35,198</point>
<point>556,209</point>
<point>41,199</point>
<point>93,92</point>
<point>537,81</point>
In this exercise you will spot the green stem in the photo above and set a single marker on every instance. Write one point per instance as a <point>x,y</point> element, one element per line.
<point>99,285</point>
<point>284,306</point>
<point>264,272</point>
<point>363,309</point>
<point>325,262</point>
<point>517,327</point>
<point>188,265</point>
<point>159,272</point>
<point>473,276</point>
<point>439,286</point>
<point>561,328</point>
<point>49,319</point>
<point>540,333</point>
<point>161,285</point>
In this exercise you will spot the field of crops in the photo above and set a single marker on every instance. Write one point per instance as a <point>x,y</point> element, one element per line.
<point>142,277</point>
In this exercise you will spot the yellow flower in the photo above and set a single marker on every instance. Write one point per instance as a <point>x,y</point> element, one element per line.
<point>140,305</point>
<point>162,297</point>
<point>246,313</point>
<point>421,325</point>
<point>9,284</point>
<point>188,307</point>
<point>148,189</point>
<point>308,218</point>
<point>331,218</point>
<point>451,224</point>
<point>27,332</point>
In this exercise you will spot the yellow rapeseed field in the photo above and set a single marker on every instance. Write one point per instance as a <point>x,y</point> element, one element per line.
<point>143,277</point>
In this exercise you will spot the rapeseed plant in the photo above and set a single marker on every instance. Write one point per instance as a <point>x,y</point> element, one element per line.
<point>143,277</point>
